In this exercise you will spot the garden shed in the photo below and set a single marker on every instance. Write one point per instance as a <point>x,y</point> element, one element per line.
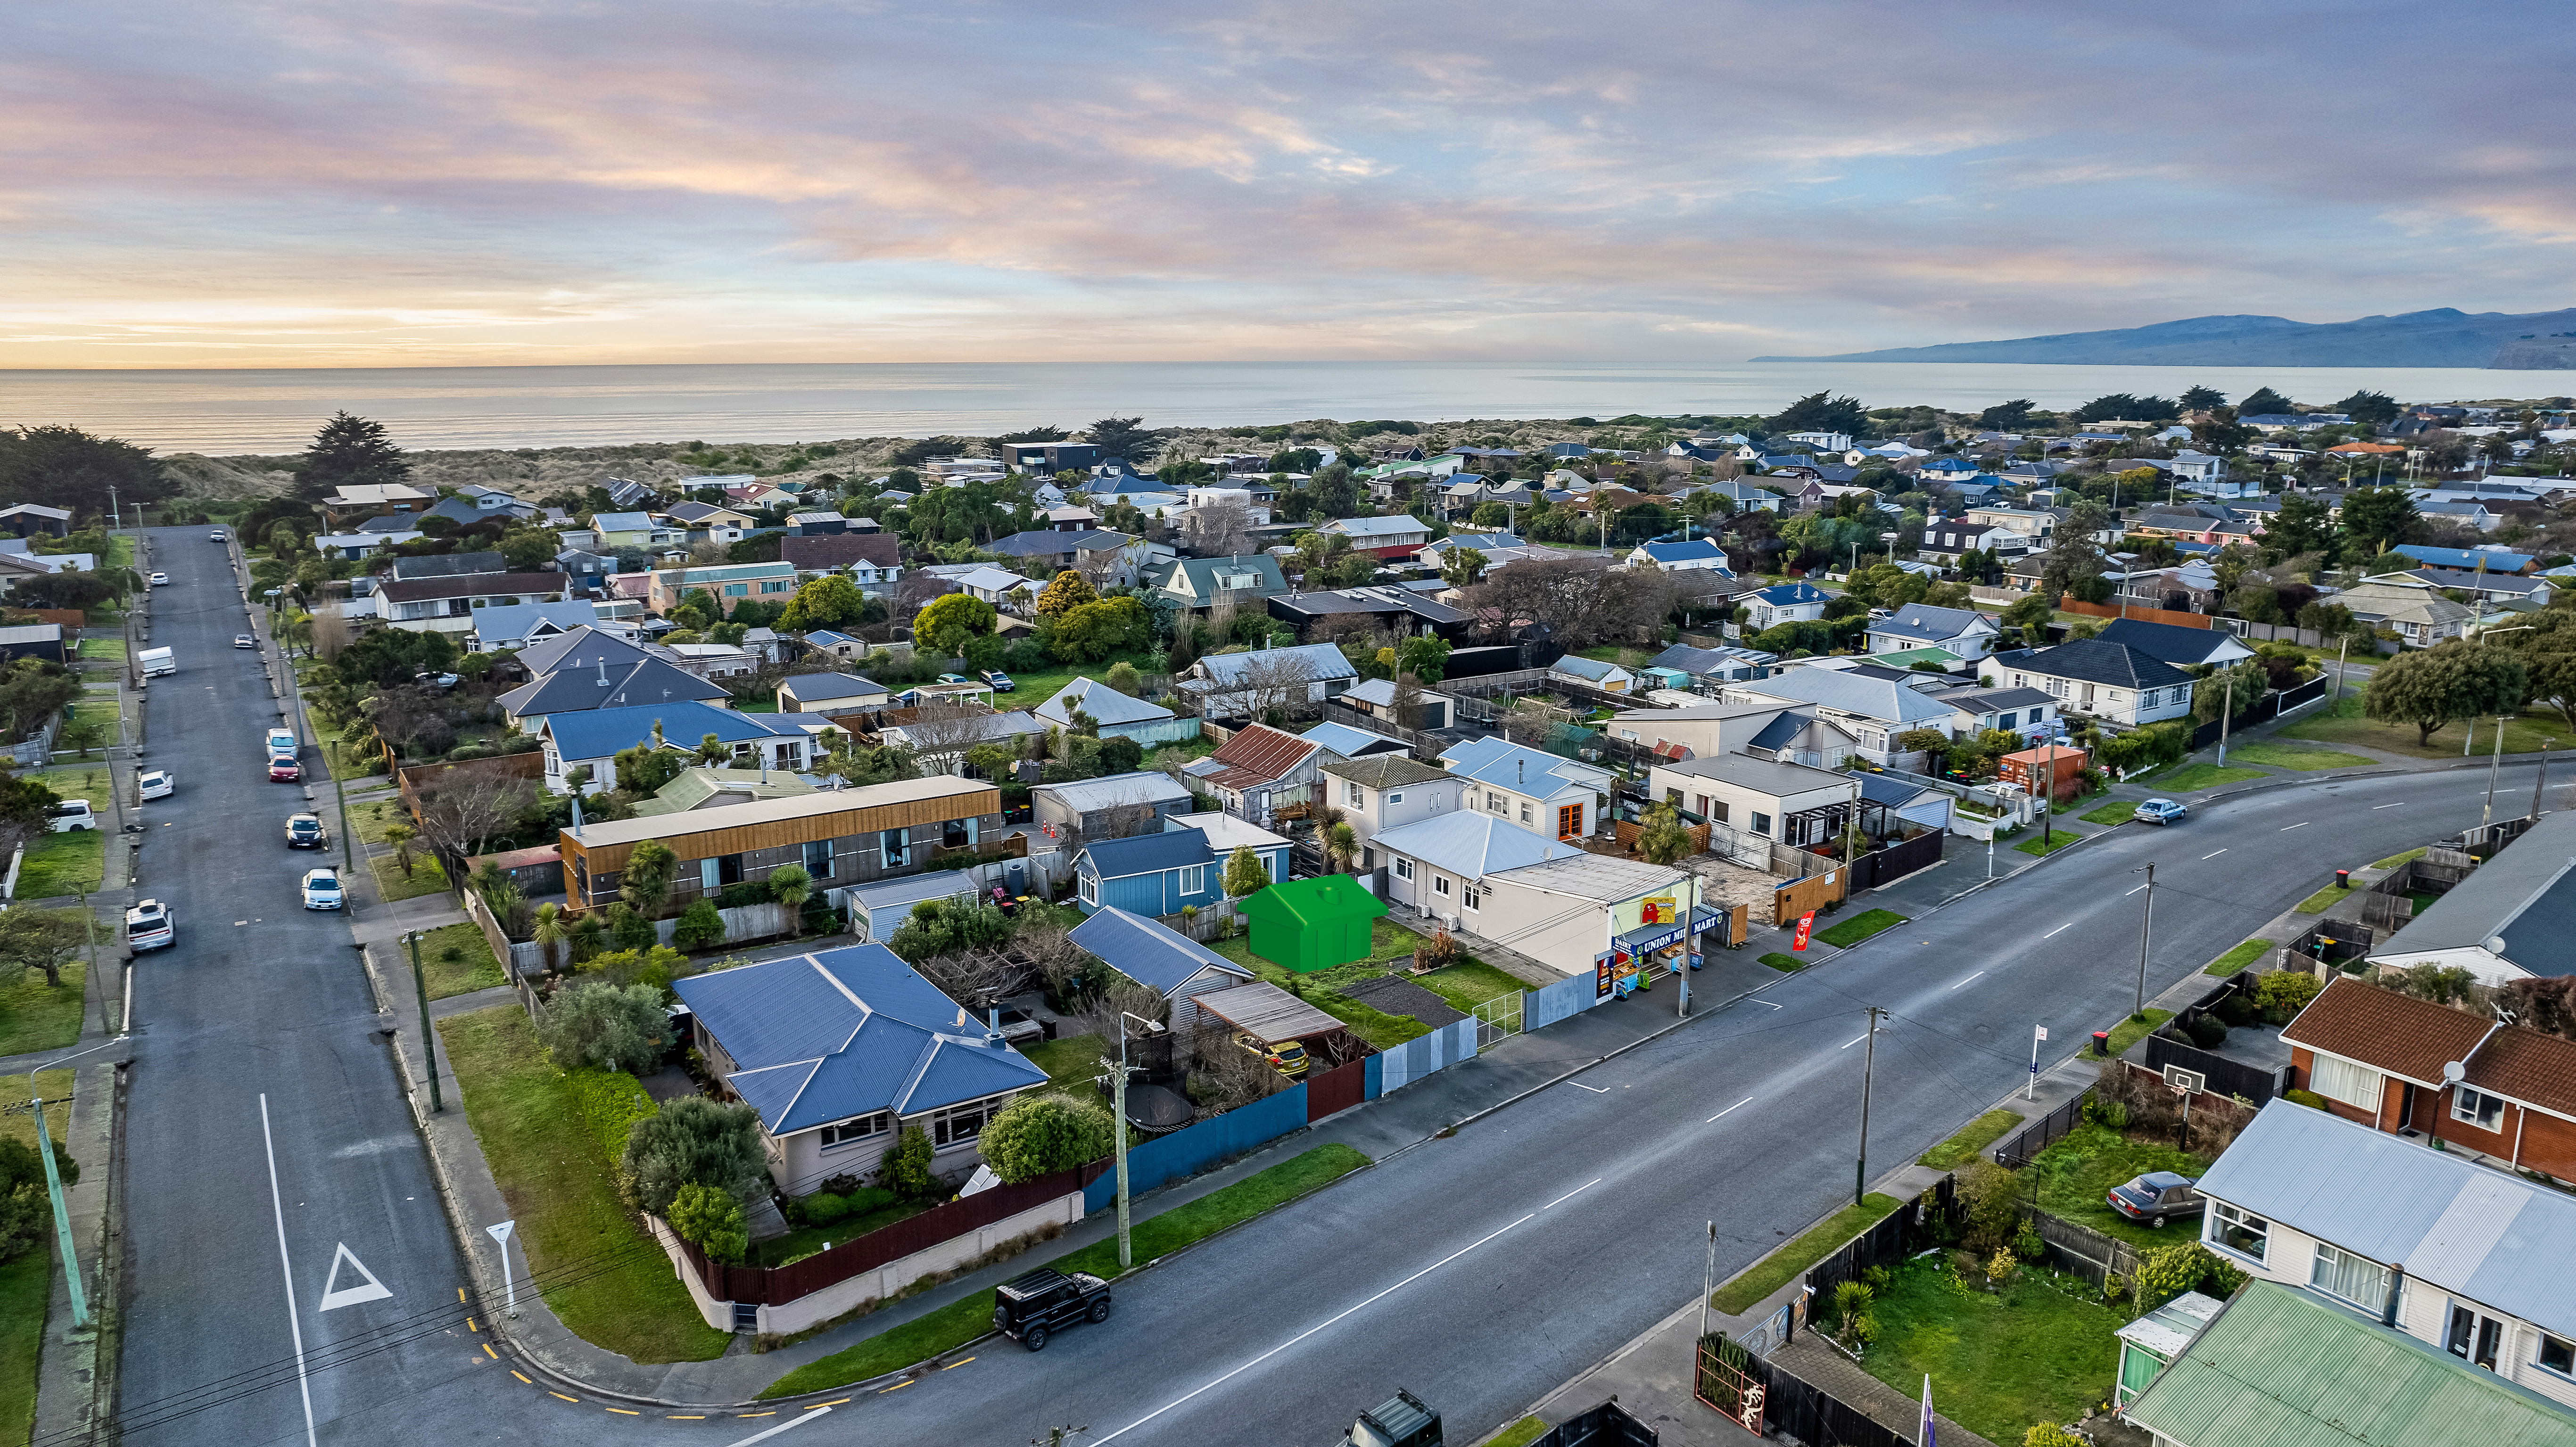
<point>1312,924</point>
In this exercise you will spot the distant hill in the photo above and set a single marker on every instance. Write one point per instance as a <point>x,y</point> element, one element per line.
<point>2444,337</point>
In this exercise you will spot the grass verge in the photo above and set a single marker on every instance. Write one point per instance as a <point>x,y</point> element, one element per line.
<point>473,967</point>
<point>1774,1271</point>
<point>2041,846</point>
<point>425,877</point>
<point>2204,776</point>
<point>1962,1148</point>
<point>2345,725</point>
<point>37,1016</point>
<point>2075,1173</point>
<point>2292,756</point>
<point>2118,811</point>
<point>2394,860</point>
<point>2006,1360</point>
<point>2238,958</point>
<point>1519,1434</point>
<point>60,864</point>
<point>2323,900</point>
<point>960,1322</point>
<point>617,1289</point>
<point>1860,927</point>
<point>2131,1030</point>
<point>27,1284</point>
<point>1785,964</point>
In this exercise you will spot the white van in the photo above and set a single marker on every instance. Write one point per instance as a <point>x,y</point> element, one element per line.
<point>70,816</point>
<point>281,741</point>
<point>156,662</point>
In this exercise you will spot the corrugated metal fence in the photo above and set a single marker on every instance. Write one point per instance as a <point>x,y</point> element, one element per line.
<point>1185,1153</point>
<point>1563,1000</point>
<point>1406,1063</point>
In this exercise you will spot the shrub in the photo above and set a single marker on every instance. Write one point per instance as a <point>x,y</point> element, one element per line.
<point>629,930</point>
<point>712,1219</point>
<point>907,1166</point>
<point>2308,1098</point>
<point>598,1025</point>
<point>2001,1266</point>
<point>2114,1286</point>
<point>691,1140</point>
<point>1994,1204</point>
<point>1851,1299</point>
<point>2284,993</point>
<point>2027,1244</point>
<point>736,896</point>
<point>790,885</point>
<point>822,1208</point>
<point>2236,1010</point>
<point>1037,1135</point>
<point>2049,1434</point>
<point>2208,1031</point>
<point>699,926</point>
<point>2169,1271</point>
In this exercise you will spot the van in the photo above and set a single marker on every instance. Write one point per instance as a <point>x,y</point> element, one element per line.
<point>70,816</point>
<point>155,662</point>
<point>281,741</point>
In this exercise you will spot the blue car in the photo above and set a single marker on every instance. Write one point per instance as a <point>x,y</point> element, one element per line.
<point>2160,811</point>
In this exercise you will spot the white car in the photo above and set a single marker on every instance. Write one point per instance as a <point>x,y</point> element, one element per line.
<point>281,741</point>
<point>148,927</point>
<point>322,889</point>
<point>160,580</point>
<point>244,640</point>
<point>71,816</point>
<point>157,784</point>
<point>216,536</point>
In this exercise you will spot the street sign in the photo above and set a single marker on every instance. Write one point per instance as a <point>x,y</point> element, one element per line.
<point>1806,927</point>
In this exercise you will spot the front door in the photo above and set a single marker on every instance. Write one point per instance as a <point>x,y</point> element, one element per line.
<point>1569,822</point>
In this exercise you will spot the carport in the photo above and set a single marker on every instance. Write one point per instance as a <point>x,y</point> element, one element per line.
<point>1266,1012</point>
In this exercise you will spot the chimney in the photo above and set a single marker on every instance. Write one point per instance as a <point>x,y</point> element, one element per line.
<point>2396,1288</point>
<point>993,1035</point>
<point>603,671</point>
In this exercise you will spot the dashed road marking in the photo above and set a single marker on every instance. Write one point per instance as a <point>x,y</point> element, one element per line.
<point>2061,929</point>
<point>1570,1195</point>
<point>1739,1105</point>
<point>2286,828</point>
<point>2213,854</point>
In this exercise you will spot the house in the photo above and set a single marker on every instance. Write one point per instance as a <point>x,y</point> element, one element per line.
<point>1870,706</point>
<point>1256,772</point>
<point>1226,834</point>
<point>1575,914</point>
<point>1236,580</point>
<point>354,502</point>
<point>2487,587</point>
<point>1341,741</point>
<point>1250,684</point>
<point>518,625</point>
<point>1399,611</point>
<point>1049,458</point>
<point>1712,665</point>
<point>1947,542</point>
<point>704,786</point>
<point>27,519</point>
<point>2278,1365</point>
<point>1112,714</point>
<point>1384,792</point>
<point>352,547</point>
<point>1152,953</point>
<point>840,837</point>
<point>2475,1262</point>
<point>1538,791</point>
<point>878,910</point>
<point>1437,861</point>
<point>1592,673</point>
<point>448,604</point>
<point>1387,537</point>
<point>593,738</point>
<point>2509,920</point>
<point>2029,712</point>
<point>635,531</point>
<point>2489,560</point>
<point>1112,806</point>
<point>821,523</point>
<point>2413,610</point>
<point>1694,555</point>
<point>590,669</point>
<point>942,737</point>
<point>1149,874</point>
<point>2099,677</point>
<point>1006,591</point>
<point>1784,603</point>
<point>835,645</point>
<point>829,693</point>
<point>34,640</point>
<point>841,1052</point>
<point>1311,924</point>
<point>1380,698</point>
<point>728,583</point>
<point>1963,632</point>
<point>1783,802</point>
<point>873,561</point>
<point>2172,643</point>
<point>709,518</point>
<point>2384,1059</point>
<point>1107,557</point>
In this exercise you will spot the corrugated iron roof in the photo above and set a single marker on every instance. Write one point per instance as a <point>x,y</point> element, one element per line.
<point>1259,755</point>
<point>1265,1010</point>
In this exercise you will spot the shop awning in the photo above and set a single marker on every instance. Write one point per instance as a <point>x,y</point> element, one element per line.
<point>1650,937</point>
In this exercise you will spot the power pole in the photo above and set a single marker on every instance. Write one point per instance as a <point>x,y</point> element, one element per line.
<point>89,933</point>
<point>2541,782</point>
<point>2146,930</point>
<point>1119,1071</point>
<point>1868,1064</point>
<point>62,1211</point>
<point>428,1046</point>
<point>2495,762</point>
<point>2341,654</point>
<point>2226,711</point>
<point>1708,1281</point>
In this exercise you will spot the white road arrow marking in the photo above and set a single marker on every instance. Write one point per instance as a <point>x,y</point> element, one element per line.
<point>335,1296</point>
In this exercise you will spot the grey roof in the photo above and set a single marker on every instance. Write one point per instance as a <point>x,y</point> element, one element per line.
<point>449,565</point>
<point>905,891</point>
<point>1928,624</point>
<point>2099,660</point>
<point>2168,642</point>
<point>637,683</point>
<point>1381,771</point>
<point>1352,743</point>
<point>1323,660</point>
<point>622,522</point>
<point>823,687</point>
<point>1852,692</point>
<point>1471,843</point>
<point>1596,877</point>
<point>2522,894</point>
<point>1104,704</point>
<point>2463,1228</point>
<point>1045,544</point>
<point>1763,776</point>
<point>1709,660</point>
<point>1148,951</point>
<point>581,648</point>
<point>515,620</point>
<point>1994,700</point>
<point>1143,786</point>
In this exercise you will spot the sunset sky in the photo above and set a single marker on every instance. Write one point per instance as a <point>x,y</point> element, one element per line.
<point>299,184</point>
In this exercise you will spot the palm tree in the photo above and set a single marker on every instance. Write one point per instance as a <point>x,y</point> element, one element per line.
<point>550,931</point>
<point>1341,845</point>
<point>790,885</point>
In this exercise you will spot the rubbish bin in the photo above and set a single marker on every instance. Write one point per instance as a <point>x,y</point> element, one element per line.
<point>2343,879</point>
<point>2101,1042</point>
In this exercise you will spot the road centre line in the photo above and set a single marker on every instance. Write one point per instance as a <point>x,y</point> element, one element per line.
<point>787,1426</point>
<point>1570,1195</point>
<point>2061,929</point>
<point>1721,1115</point>
<point>277,1202</point>
<point>1855,1040</point>
<point>1971,977</point>
<point>2400,804</point>
<point>2213,854</point>
<point>2286,828</point>
<point>1292,1341</point>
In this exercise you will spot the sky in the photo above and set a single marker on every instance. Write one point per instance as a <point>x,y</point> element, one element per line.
<point>289,183</point>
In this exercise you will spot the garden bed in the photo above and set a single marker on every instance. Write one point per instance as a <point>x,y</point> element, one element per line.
<point>2039,1350</point>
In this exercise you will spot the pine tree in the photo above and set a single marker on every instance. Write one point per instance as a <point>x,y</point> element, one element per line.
<point>1245,873</point>
<point>349,450</point>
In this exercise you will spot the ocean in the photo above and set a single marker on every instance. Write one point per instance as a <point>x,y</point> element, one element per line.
<point>273,411</point>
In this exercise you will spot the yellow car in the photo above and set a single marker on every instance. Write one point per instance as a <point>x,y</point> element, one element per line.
<point>1288,1057</point>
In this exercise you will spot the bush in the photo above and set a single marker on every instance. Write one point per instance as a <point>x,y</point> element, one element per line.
<point>2208,1032</point>
<point>2308,1098</point>
<point>2049,1434</point>
<point>1994,1204</point>
<point>939,927</point>
<point>737,896</point>
<point>628,930</point>
<point>712,1219</point>
<point>598,1025</point>
<point>827,1206</point>
<point>2169,1271</point>
<point>2285,993</point>
<point>2027,1244</point>
<point>907,1166</point>
<point>2237,1009</point>
<point>699,926</point>
<point>691,1140</point>
<point>1037,1135</point>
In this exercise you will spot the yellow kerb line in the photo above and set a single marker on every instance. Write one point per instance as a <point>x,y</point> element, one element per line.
<point>897,1387</point>
<point>621,1411</point>
<point>842,1402</point>
<point>470,1326</point>
<point>522,1376</point>
<point>487,1351</point>
<point>952,1366</point>
<point>551,1392</point>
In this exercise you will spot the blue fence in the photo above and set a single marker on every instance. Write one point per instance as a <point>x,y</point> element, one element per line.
<point>1406,1063</point>
<point>1563,1000</point>
<point>1185,1153</point>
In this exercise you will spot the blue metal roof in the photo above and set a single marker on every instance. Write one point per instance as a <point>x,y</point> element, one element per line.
<point>1147,951</point>
<point>1697,550</point>
<point>2465,557</point>
<point>848,1032</point>
<point>602,732</point>
<point>1782,595</point>
<point>1147,853</point>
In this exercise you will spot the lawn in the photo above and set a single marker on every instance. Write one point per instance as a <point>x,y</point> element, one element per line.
<point>2131,1030</point>
<point>2345,725</point>
<point>455,959</point>
<point>1786,964</point>
<point>610,1282</point>
<point>1962,1148</point>
<point>103,650</point>
<point>60,864</point>
<point>76,783</point>
<point>1860,927</point>
<point>2043,845</point>
<point>2239,957</point>
<point>2118,811</point>
<point>1467,984</point>
<point>370,821</point>
<point>2000,1362</point>
<point>2075,1173</point>
<point>2292,756</point>
<point>2203,776</point>
<point>27,1284</point>
<point>425,877</point>
<point>960,1322</point>
<point>1070,1062</point>
<point>37,1016</point>
<point>1774,1271</point>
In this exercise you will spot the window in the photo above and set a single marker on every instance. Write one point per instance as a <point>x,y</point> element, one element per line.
<point>1494,802</point>
<point>1720,815</point>
<point>2478,1108</point>
<point>2342,1080</point>
<point>2356,1279</point>
<point>962,1123</point>
<point>2006,721</point>
<point>1091,890</point>
<point>1193,879</point>
<point>1403,867</point>
<point>895,843</point>
<point>1762,824</point>
<point>1472,897</point>
<point>1673,797</point>
<point>850,1132</point>
<point>737,590</point>
<point>1439,886</point>
<point>1525,811</point>
<point>818,859</point>
<point>1395,798</point>
<point>2238,1232</point>
<point>776,585</point>
<point>2558,1356</point>
<point>1351,795</point>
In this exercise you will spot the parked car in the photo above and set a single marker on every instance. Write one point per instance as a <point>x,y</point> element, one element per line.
<point>2157,1197</point>
<point>160,580</point>
<point>1288,1057</point>
<point>440,681</point>
<point>283,770</point>
<point>322,888</point>
<point>71,816</point>
<point>1030,1307</point>
<point>2161,811</point>
<point>1000,681</point>
<point>304,831</point>
<point>280,741</point>
<point>244,640</point>
<point>216,536</point>
<point>148,926</point>
<point>954,678</point>
<point>157,784</point>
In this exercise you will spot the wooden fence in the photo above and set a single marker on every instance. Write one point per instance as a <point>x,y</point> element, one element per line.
<point>2226,1077</point>
<point>2139,612</point>
<point>2040,1134</point>
<point>1790,900</point>
<point>2081,1249</point>
<point>1917,1224</point>
<point>1895,861</point>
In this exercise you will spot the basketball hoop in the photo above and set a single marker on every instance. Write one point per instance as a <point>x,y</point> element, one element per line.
<point>2185,1082</point>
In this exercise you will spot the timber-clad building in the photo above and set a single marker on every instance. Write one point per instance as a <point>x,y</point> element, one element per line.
<point>841,837</point>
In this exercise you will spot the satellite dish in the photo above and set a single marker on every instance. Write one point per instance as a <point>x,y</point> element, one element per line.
<point>2495,943</point>
<point>2453,1071</point>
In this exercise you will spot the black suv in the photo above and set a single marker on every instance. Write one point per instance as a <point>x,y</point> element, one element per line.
<point>1027,1308</point>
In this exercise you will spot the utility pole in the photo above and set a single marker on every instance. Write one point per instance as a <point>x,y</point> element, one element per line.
<point>1118,1106</point>
<point>2146,930</point>
<point>2226,711</point>
<point>62,1210</point>
<point>428,1045</point>
<point>89,934</point>
<point>2541,782</point>
<point>2340,654</point>
<point>2495,763</point>
<point>1708,1281</point>
<point>1868,1064</point>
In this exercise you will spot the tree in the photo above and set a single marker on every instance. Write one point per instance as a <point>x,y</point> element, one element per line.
<point>644,769</point>
<point>1040,1134</point>
<point>790,885</point>
<point>712,1219</point>
<point>461,819</point>
<point>1069,591</point>
<point>550,931</point>
<point>1222,528</point>
<point>1124,437</point>
<point>2009,416</point>
<point>691,1140</point>
<point>1463,567</point>
<point>65,467</point>
<point>2245,682</point>
<point>2263,402</point>
<point>906,1170</point>
<point>952,619</point>
<point>1245,873</point>
<point>1095,631</point>
<point>1333,492</point>
<point>831,601</point>
<point>42,940</point>
<point>1665,838</point>
<point>1341,846</point>
<point>2201,399</point>
<point>645,883</point>
<point>1816,413</point>
<point>2378,518</point>
<point>2372,409</point>
<point>349,450</point>
<point>1425,656</point>
<point>2301,526</point>
<point>2122,407</point>
<point>600,1026</point>
<point>700,925</point>
<point>1124,678</point>
<point>2453,680</point>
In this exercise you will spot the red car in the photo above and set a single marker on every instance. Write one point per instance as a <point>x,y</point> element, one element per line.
<point>282,770</point>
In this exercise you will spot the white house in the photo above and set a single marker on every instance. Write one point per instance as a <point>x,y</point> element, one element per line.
<point>1380,792</point>
<point>1695,555</point>
<point>1006,591</point>
<point>1593,673</point>
<point>1784,603</point>
<point>1568,912</point>
<point>1786,803</point>
<point>1538,791</point>
<point>1963,631</point>
<point>2099,677</point>
<point>1438,865</point>
<point>1372,534</point>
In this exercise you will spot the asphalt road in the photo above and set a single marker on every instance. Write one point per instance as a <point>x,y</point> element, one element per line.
<point>1479,1271</point>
